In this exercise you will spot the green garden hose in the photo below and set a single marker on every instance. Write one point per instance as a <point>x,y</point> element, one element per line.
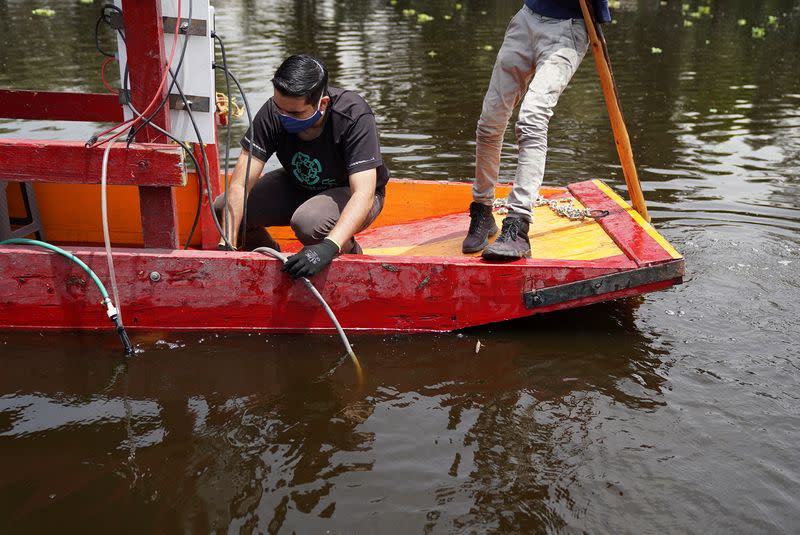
<point>110,310</point>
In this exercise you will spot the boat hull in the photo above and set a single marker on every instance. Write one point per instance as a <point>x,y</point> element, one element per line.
<point>410,290</point>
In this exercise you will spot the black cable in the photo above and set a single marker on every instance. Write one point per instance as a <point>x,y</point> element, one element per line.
<point>105,17</point>
<point>205,167</point>
<point>188,107</point>
<point>164,100</point>
<point>228,129</point>
<point>125,81</point>
<point>250,152</point>
<point>97,37</point>
<point>199,176</point>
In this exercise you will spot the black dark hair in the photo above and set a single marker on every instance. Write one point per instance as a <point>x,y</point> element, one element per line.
<point>301,75</point>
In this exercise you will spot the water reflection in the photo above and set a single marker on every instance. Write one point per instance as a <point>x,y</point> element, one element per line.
<point>654,407</point>
<point>251,434</point>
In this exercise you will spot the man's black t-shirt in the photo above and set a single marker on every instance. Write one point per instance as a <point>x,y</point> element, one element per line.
<point>348,144</point>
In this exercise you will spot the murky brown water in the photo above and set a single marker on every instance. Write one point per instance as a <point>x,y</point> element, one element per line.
<point>677,412</point>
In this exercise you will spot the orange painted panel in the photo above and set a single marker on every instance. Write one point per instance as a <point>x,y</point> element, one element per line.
<point>71,212</point>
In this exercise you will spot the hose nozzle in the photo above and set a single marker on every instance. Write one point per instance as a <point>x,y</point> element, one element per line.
<point>123,335</point>
<point>113,315</point>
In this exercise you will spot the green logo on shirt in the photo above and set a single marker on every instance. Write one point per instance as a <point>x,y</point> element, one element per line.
<point>306,169</point>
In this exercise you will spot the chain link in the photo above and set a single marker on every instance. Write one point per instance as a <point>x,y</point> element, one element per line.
<point>561,207</point>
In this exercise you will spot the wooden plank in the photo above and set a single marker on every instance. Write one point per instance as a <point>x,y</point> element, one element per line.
<point>25,160</point>
<point>146,64</point>
<point>552,237</point>
<point>146,61</point>
<point>246,291</point>
<point>59,106</point>
<point>611,95</point>
<point>636,237</point>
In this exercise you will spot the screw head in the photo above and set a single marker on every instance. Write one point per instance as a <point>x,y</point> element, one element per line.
<point>155,276</point>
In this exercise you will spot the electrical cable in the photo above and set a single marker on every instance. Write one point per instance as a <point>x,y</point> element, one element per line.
<point>181,25</point>
<point>104,216</point>
<point>111,312</point>
<point>203,175</point>
<point>188,106</point>
<point>190,153</point>
<point>227,129</point>
<point>326,307</point>
<point>249,153</point>
<point>103,76</point>
<point>95,139</point>
<point>100,19</point>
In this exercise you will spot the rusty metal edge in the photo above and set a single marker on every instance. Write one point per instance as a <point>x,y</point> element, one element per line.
<point>671,270</point>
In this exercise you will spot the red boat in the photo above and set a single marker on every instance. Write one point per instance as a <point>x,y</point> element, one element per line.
<point>412,277</point>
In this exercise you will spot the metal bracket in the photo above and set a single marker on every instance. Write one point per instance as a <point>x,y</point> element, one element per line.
<point>195,103</point>
<point>195,27</point>
<point>605,284</point>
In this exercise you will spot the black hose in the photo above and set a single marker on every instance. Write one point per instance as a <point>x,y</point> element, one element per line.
<point>249,152</point>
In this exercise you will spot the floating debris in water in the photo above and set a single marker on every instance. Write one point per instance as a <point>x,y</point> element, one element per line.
<point>43,12</point>
<point>424,17</point>
<point>655,50</point>
<point>742,22</point>
<point>478,347</point>
<point>488,48</point>
<point>432,53</point>
<point>170,345</point>
<point>758,32</point>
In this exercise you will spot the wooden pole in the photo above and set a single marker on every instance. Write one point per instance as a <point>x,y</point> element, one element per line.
<point>147,61</point>
<point>611,94</point>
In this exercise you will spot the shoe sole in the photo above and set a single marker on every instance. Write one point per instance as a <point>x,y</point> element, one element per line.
<point>482,246</point>
<point>505,257</point>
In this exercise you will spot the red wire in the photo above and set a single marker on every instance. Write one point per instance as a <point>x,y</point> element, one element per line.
<point>158,91</point>
<point>103,76</point>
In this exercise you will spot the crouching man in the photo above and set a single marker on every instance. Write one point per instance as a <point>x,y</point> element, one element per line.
<point>332,179</point>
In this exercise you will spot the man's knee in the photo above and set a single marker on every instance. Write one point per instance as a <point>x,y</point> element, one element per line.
<point>489,131</point>
<point>532,126</point>
<point>310,227</point>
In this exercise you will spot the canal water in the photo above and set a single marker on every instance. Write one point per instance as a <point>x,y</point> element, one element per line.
<point>676,412</point>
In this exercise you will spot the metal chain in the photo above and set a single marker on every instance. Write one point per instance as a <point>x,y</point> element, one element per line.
<point>561,207</point>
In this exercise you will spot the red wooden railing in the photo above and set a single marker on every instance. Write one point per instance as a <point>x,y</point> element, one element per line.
<point>153,165</point>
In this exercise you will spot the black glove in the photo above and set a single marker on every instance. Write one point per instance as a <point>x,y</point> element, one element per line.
<point>311,259</point>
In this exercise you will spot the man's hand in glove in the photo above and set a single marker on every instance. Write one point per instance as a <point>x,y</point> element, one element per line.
<point>311,259</point>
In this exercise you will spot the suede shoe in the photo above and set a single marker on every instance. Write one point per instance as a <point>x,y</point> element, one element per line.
<point>481,226</point>
<point>513,242</point>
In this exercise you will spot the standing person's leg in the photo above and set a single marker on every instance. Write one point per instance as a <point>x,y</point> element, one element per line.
<point>560,46</point>
<point>512,71</point>
<point>316,217</point>
<point>271,202</point>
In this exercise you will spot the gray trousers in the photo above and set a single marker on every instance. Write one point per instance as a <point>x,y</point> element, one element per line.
<point>276,201</point>
<point>538,57</point>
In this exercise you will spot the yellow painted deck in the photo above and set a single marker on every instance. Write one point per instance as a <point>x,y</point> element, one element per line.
<point>71,214</point>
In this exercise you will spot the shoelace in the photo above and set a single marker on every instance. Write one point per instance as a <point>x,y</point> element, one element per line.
<point>510,229</point>
<point>476,219</point>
